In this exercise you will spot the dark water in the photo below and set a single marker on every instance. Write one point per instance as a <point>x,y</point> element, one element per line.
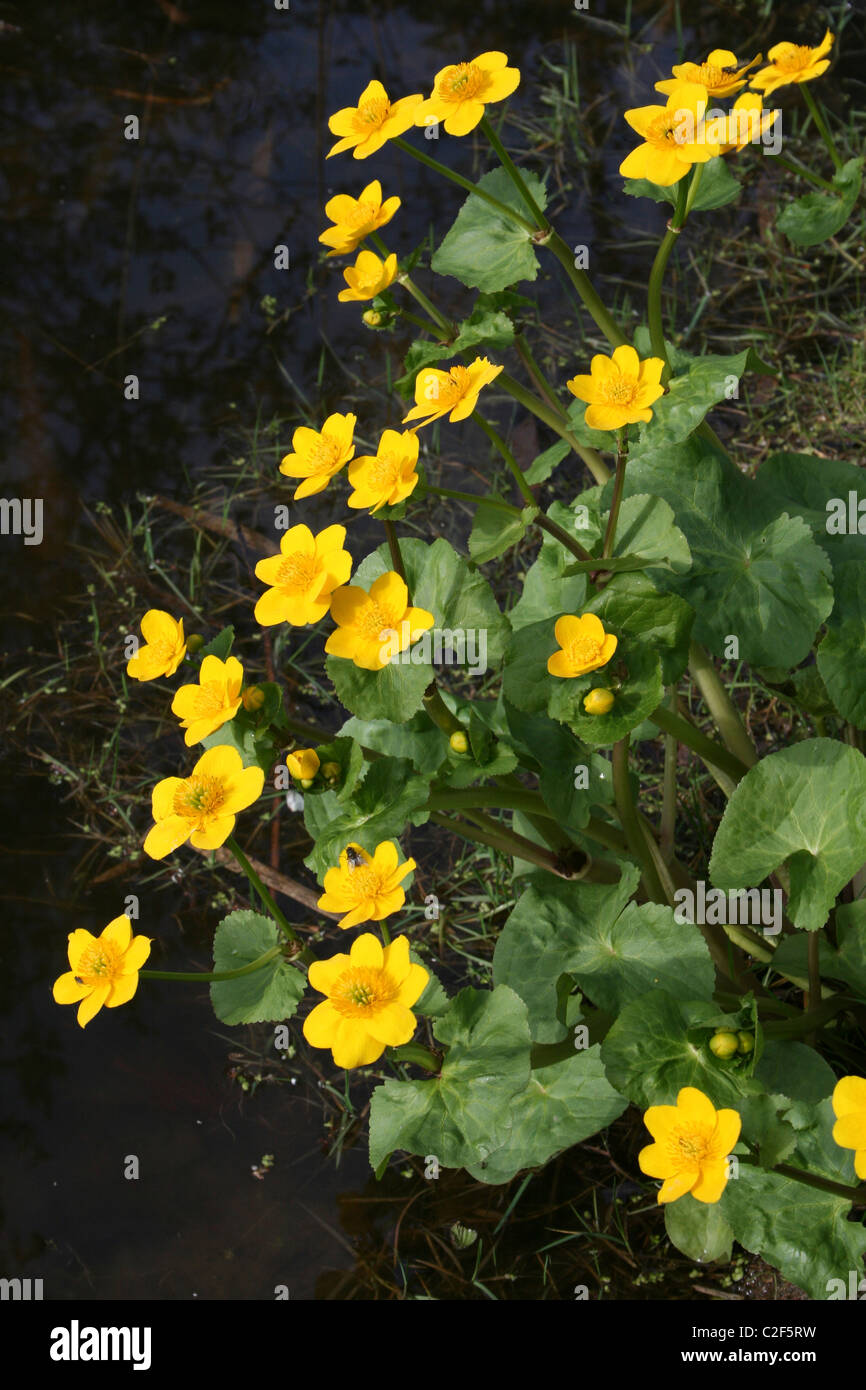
<point>103,239</point>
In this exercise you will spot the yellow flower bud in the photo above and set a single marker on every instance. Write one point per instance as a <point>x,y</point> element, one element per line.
<point>331,771</point>
<point>459,742</point>
<point>598,701</point>
<point>372,318</point>
<point>194,642</point>
<point>724,1045</point>
<point>746,1042</point>
<point>253,698</point>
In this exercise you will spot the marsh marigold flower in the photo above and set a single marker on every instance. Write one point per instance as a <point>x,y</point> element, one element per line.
<point>389,476</point>
<point>303,576</point>
<point>793,62</point>
<point>745,123</point>
<point>103,969</point>
<point>719,74</point>
<point>365,889</point>
<point>453,393</point>
<point>692,1144</point>
<point>368,277</point>
<point>365,128</point>
<point>373,627</point>
<point>461,92</point>
<point>204,708</point>
<point>849,1131</point>
<point>674,136</point>
<point>202,808</point>
<point>303,764</point>
<point>584,646</point>
<point>319,454</point>
<point>164,650</point>
<point>355,218</point>
<point>620,389</point>
<point>369,993</point>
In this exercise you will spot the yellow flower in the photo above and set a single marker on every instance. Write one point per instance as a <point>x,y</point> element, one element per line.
<point>165,647</point>
<point>365,128</point>
<point>365,889</point>
<point>104,968</point>
<point>693,1141</point>
<point>674,136</point>
<point>584,645</point>
<point>303,576</point>
<point>792,62</point>
<point>719,74</point>
<point>598,701</point>
<point>201,808</point>
<point>620,389</point>
<point>369,996</point>
<point>303,764</point>
<point>356,218</point>
<point>368,277</point>
<point>374,627</point>
<point>456,391</point>
<point>205,707</point>
<point>319,454</point>
<point>745,123</point>
<point>461,92</point>
<point>389,476</point>
<point>849,1131</point>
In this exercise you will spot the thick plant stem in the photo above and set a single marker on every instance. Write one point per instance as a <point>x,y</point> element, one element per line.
<point>711,753</point>
<point>205,977</point>
<point>507,842</point>
<point>667,830</point>
<point>440,713</point>
<point>498,798</point>
<point>477,499</point>
<point>631,825</point>
<point>721,706</point>
<point>461,182</point>
<point>415,1053</point>
<point>261,890</point>
<point>417,294</point>
<point>554,529</point>
<point>558,423</point>
<point>794,168</point>
<point>515,175</point>
<point>657,275</point>
<point>820,122</point>
<point>613,517</point>
<point>855,1195</point>
<point>396,557</point>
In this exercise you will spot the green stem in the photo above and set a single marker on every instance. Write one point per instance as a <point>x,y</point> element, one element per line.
<point>621,461</point>
<point>461,182</point>
<point>657,275</point>
<point>591,457</point>
<point>794,168</point>
<point>705,748</point>
<point>553,528</point>
<point>205,977</point>
<point>415,1053</point>
<point>259,887</point>
<point>585,288</point>
<point>515,175</point>
<point>513,466</point>
<point>477,499</point>
<point>428,327</point>
<point>820,122</point>
<point>396,557</point>
<point>631,826</point>
<point>721,706</point>
<point>537,376</point>
<point>440,713</point>
<point>417,294</point>
<point>506,841</point>
<point>498,798</point>
<point>667,831</point>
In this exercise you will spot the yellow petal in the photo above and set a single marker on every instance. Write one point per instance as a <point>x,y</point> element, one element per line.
<point>91,1005</point>
<point>118,932</point>
<point>367,950</point>
<point>166,836</point>
<point>122,990</point>
<point>711,1182</point>
<point>321,1025</point>
<point>67,990</point>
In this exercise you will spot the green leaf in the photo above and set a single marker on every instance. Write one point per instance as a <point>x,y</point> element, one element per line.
<point>484,249</point>
<point>434,1000</point>
<point>765,1129</point>
<point>718,186</point>
<point>221,645</point>
<point>803,1232</point>
<point>493,532</point>
<point>395,693</point>
<point>644,948</point>
<point>847,963</point>
<point>646,528</point>
<point>658,1045</point>
<point>269,995</point>
<point>826,493</point>
<point>632,604</point>
<point>541,467</point>
<point>804,806</point>
<point>546,587</point>
<point>817,216</point>
<point>241,733</point>
<point>698,1229</point>
<point>486,326</point>
<point>755,575</point>
<point>842,654</point>
<point>542,938</point>
<point>691,396</point>
<point>391,795</point>
<point>459,598</point>
<point>463,1114</point>
<point>792,1069</point>
<point>560,760</point>
<point>418,739</point>
<point>561,1106</point>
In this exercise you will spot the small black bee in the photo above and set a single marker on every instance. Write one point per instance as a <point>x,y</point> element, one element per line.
<point>78,980</point>
<point>355,860</point>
